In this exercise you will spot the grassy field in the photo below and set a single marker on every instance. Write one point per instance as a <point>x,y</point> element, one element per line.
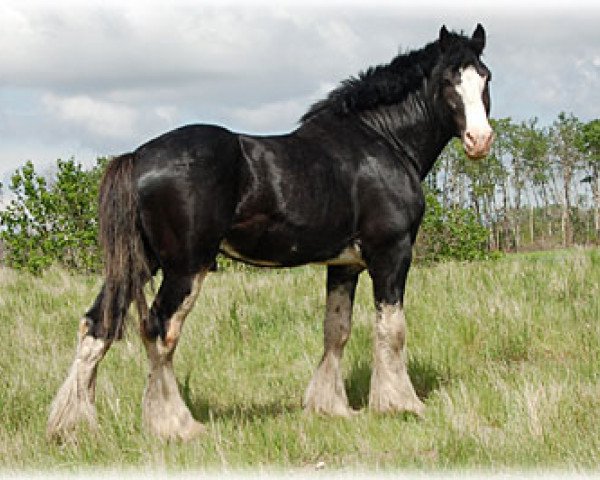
<point>505,354</point>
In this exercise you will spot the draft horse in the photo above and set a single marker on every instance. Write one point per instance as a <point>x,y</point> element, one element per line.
<point>343,189</point>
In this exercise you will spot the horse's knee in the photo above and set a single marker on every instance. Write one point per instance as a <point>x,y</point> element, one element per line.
<point>337,331</point>
<point>338,317</point>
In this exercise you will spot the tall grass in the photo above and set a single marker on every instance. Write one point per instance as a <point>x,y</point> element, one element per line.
<point>505,355</point>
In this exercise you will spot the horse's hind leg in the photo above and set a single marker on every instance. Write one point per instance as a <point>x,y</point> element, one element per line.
<point>326,393</point>
<point>164,412</point>
<point>74,402</point>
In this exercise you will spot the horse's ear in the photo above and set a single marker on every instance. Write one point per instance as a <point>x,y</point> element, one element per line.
<point>478,39</point>
<point>444,39</point>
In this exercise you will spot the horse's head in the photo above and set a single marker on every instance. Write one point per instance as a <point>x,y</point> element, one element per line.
<point>463,89</point>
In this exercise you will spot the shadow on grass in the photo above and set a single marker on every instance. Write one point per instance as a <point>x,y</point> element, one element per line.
<point>357,385</point>
<point>425,376</point>
<point>203,412</point>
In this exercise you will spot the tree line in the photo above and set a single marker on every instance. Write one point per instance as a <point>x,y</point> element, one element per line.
<point>539,188</point>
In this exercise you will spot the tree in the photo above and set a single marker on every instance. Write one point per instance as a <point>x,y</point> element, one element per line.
<point>564,132</point>
<point>588,142</point>
<point>500,155</point>
<point>53,221</point>
<point>533,146</point>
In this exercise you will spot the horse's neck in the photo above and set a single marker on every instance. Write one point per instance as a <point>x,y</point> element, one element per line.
<point>412,128</point>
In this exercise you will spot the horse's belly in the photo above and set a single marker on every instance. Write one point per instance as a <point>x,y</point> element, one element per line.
<point>276,248</point>
<point>232,252</point>
<point>351,255</point>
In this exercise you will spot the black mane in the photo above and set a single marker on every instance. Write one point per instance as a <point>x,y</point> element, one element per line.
<point>389,83</point>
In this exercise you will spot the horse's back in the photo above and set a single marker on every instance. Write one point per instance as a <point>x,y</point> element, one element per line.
<point>187,145</point>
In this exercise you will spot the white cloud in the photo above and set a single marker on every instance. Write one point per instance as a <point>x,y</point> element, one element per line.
<point>105,76</point>
<point>281,116</point>
<point>263,118</point>
<point>43,154</point>
<point>168,113</point>
<point>98,117</point>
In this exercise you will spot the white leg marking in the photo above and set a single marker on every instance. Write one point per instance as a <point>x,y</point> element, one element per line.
<point>326,393</point>
<point>391,388</point>
<point>75,399</point>
<point>164,413</point>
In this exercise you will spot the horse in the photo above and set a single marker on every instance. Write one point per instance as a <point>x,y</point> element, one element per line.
<point>343,189</point>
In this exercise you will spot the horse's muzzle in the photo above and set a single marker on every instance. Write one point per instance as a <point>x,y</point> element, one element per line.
<point>477,143</point>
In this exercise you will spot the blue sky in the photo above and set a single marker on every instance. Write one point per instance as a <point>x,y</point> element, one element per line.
<point>93,78</point>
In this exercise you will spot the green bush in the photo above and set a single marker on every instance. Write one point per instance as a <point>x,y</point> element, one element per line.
<point>53,222</point>
<point>450,234</point>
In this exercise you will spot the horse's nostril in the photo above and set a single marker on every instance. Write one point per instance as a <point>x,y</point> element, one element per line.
<point>479,139</point>
<point>469,139</point>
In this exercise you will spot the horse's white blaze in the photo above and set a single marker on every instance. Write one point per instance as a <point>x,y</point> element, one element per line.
<point>470,90</point>
<point>477,134</point>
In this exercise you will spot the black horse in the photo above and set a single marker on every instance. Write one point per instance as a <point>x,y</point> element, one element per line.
<point>342,190</point>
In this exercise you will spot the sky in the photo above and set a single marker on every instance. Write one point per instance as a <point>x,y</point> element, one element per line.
<point>96,78</point>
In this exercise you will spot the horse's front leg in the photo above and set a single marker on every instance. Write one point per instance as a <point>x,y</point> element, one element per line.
<point>391,388</point>
<point>326,393</point>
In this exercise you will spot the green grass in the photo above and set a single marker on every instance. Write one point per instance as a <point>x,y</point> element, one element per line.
<point>505,354</point>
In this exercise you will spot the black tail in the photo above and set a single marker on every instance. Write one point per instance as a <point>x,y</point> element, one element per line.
<point>125,263</point>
